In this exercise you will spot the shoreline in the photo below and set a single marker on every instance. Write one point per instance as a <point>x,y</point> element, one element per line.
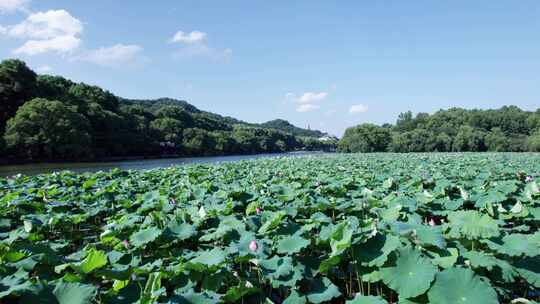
<point>6,162</point>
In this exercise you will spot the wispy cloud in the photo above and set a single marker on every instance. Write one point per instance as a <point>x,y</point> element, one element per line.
<point>189,38</point>
<point>358,108</point>
<point>10,6</point>
<point>307,108</point>
<point>308,100</point>
<point>195,44</point>
<point>118,55</point>
<point>311,97</point>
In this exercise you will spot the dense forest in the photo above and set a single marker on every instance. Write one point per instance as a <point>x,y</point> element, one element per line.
<point>50,117</point>
<point>508,129</point>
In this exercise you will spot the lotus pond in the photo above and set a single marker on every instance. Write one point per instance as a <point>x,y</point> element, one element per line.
<point>375,228</point>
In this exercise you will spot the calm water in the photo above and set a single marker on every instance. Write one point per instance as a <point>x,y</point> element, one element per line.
<point>33,169</point>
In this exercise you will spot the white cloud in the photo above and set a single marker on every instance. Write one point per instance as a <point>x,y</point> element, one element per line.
<point>113,56</point>
<point>195,45</point>
<point>3,30</point>
<point>307,97</point>
<point>189,38</point>
<point>310,97</point>
<point>44,69</point>
<point>10,6</point>
<point>358,108</point>
<point>307,108</point>
<point>61,44</point>
<point>47,25</point>
<point>51,31</point>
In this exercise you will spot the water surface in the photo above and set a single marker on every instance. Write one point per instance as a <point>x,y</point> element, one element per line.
<point>38,168</point>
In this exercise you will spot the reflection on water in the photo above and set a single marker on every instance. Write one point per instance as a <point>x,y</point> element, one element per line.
<point>33,169</point>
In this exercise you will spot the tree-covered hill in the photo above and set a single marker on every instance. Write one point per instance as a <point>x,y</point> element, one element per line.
<point>51,117</point>
<point>285,126</point>
<point>508,129</point>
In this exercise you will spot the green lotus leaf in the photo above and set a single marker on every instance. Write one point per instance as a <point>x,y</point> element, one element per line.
<point>529,269</point>
<point>412,274</point>
<point>491,197</point>
<point>472,225</point>
<point>192,297</point>
<point>276,266</point>
<point>181,231</point>
<point>460,285</point>
<point>95,259</point>
<point>328,263</point>
<point>340,240</point>
<point>361,299</point>
<point>519,244</point>
<point>295,298</point>
<point>237,292</point>
<point>292,244</point>
<point>272,223</point>
<point>208,259</point>
<point>74,293</point>
<point>375,251</point>
<point>430,236</point>
<point>480,259</point>
<point>445,258</point>
<point>17,282</point>
<point>424,235</point>
<point>388,183</point>
<point>144,236</point>
<point>531,190</point>
<point>322,290</point>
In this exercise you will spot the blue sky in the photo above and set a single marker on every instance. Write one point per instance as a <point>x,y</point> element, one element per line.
<point>327,64</point>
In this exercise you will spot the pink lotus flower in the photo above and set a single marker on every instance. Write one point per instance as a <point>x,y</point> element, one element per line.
<point>528,179</point>
<point>258,210</point>
<point>253,246</point>
<point>431,222</point>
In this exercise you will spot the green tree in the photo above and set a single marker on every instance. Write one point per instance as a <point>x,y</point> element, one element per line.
<point>533,141</point>
<point>177,113</point>
<point>87,94</point>
<point>365,138</point>
<point>198,142</point>
<point>468,139</point>
<point>17,83</point>
<point>168,129</point>
<point>438,142</point>
<point>497,141</point>
<point>44,128</point>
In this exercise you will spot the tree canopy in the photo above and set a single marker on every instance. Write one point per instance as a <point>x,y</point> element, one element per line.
<point>509,129</point>
<point>51,117</point>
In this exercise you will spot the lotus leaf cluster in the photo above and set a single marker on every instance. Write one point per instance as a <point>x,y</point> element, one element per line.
<point>358,229</point>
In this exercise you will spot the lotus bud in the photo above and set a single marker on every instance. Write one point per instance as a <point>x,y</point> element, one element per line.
<point>173,201</point>
<point>431,222</point>
<point>125,243</point>
<point>253,246</point>
<point>258,210</point>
